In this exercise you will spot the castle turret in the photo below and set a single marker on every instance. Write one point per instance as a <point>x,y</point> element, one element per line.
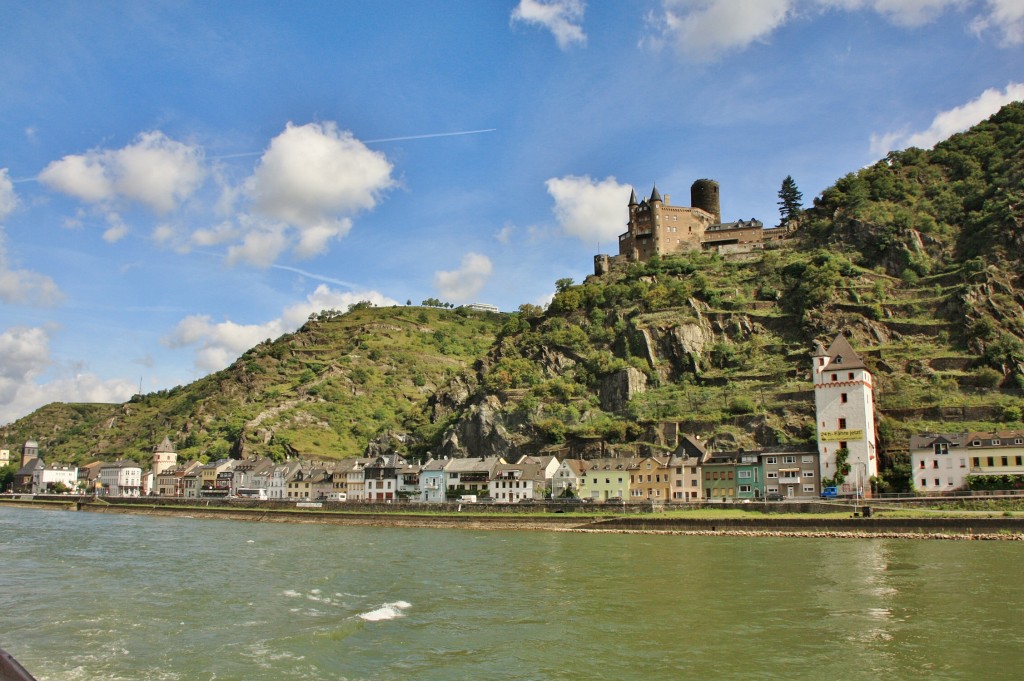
<point>704,195</point>
<point>164,457</point>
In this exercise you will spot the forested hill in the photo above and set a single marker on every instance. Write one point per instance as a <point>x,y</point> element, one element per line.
<point>917,258</point>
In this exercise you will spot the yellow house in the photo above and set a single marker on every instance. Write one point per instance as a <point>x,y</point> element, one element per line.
<point>649,480</point>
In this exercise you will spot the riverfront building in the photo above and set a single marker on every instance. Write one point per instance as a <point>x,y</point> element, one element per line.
<point>943,462</point>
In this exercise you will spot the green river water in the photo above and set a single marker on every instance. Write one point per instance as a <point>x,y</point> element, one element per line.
<point>86,596</point>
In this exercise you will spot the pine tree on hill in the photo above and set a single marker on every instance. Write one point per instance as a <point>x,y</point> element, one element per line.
<point>790,201</point>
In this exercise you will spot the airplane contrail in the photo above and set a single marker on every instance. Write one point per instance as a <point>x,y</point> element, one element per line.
<point>382,139</point>
<point>318,277</point>
<point>436,134</point>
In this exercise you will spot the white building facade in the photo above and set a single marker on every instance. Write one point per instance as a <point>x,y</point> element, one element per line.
<point>121,479</point>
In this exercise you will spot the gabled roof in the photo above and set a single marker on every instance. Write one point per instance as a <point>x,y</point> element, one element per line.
<point>577,466</point>
<point>841,355</point>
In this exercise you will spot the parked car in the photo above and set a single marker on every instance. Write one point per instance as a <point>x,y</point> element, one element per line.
<point>775,496</point>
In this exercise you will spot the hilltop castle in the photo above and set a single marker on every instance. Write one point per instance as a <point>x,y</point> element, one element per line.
<point>656,227</point>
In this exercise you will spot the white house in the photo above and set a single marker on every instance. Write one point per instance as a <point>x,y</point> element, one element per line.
<point>941,462</point>
<point>121,479</point>
<point>45,477</point>
<point>844,407</point>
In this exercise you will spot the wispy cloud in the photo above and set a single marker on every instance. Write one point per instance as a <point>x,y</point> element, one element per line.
<point>465,282</point>
<point>707,30</point>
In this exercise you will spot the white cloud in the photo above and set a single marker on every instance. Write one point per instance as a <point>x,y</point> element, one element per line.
<point>464,283</point>
<point>312,178</point>
<point>261,244</point>
<point>116,230</point>
<point>588,209</point>
<point>948,123</point>
<point>504,235</point>
<point>24,356</point>
<point>155,171</point>
<point>1004,16</point>
<point>703,30</point>
<point>562,17</point>
<point>8,199</point>
<point>219,344</point>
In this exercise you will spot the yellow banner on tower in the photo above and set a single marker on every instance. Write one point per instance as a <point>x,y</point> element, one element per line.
<point>840,435</point>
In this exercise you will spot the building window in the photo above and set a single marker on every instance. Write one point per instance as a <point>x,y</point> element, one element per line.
<point>938,483</point>
<point>807,474</point>
<point>850,375</point>
<point>842,424</point>
<point>744,489</point>
<point>809,489</point>
<point>770,459</point>
<point>844,398</point>
<point>834,377</point>
<point>941,448</point>
<point>789,459</point>
<point>924,482</point>
<point>807,459</point>
<point>771,474</point>
<point>743,474</point>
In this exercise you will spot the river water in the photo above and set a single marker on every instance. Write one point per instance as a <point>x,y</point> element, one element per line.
<point>87,596</point>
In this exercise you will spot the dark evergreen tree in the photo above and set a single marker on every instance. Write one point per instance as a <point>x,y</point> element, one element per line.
<point>790,201</point>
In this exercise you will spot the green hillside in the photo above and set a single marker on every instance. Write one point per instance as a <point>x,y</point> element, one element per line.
<point>323,392</point>
<point>918,258</point>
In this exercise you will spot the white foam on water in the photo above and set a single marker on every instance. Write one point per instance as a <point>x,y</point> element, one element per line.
<point>292,594</point>
<point>388,611</point>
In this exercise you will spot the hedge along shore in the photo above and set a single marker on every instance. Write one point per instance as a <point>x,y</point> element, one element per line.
<point>840,527</point>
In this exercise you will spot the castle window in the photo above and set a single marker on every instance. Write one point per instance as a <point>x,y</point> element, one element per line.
<point>843,397</point>
<point>835,377</point>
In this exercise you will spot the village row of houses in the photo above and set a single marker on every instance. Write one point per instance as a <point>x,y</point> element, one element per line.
<point>688,473</point>
<point>940,463</point>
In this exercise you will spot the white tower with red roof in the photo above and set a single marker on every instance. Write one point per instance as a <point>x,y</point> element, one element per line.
<point>844,405</point>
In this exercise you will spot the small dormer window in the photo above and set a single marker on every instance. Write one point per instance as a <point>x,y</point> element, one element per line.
<point>838,359</point>
<point>976,443</point>
<point>996,443</point>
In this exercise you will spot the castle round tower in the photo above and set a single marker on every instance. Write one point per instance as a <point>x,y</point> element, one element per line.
<point>704,195</point>
<point>845,417</point>
<point>164,457</point>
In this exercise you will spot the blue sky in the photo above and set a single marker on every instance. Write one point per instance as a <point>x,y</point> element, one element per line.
<point>179,180</point>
